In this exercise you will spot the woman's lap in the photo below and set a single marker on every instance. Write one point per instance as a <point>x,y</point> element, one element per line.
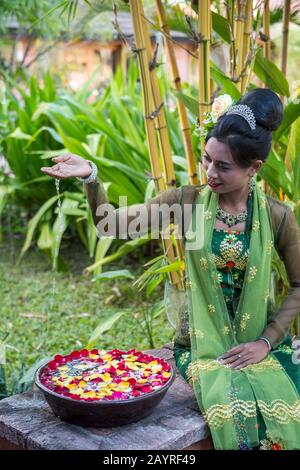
<point>283,354</point>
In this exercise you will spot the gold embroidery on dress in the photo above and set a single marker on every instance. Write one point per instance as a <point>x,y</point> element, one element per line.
<point>226,330</point>
<point>252,273</point>
<point>203,263</point>
<point>207,215</point>
<point>263,202</point>
<point>215,276</point>
<point>211,309</point>
<point>231,249</point>
<point>212,364</point>
<point>245,318</point>
<point>280,410</point>
<point>190,285</point>
<point>195,332</point>
<point>217,415</point>
<point>184,358</point>
<point>256,226</point>
<point>270,246</point>
<point>266,294</point>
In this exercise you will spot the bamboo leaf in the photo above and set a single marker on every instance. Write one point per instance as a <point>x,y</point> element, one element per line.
<point>118,274</point>
<point>126,248</point>
<point>44,241</point>
<point>103,246</point>
<point>28,377</point>
<point>291,113</point>
<point>227,85</point>
<point>19,134</point>
<point>103,327</point>
<point>293,152</point>
<point>33,224</point>
<point>270,74</point>
<point>221,26</point>
<point>191,103</point>
<point>274,172</point>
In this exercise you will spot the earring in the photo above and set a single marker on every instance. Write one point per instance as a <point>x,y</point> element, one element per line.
<point>251,184</point>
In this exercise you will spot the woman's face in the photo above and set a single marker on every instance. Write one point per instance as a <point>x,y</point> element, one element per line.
<point>223,174</point>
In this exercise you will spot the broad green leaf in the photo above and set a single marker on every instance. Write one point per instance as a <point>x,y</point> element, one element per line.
<point>293,152</point>
<point>118,274</point>
<point>19,134</point>
<point>270,74</point>
<point>103,246</point>
<point>221,26</point>
<point>33,223</point>
<point>45,239</point>
<point>103,327</point>
<point>126,248</point>
<point>227,85</point>
<point>291,113</point>
<point>190,102</point>
<point>28,377</point>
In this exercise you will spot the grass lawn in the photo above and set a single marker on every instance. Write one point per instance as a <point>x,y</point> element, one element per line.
<point>35,332</point>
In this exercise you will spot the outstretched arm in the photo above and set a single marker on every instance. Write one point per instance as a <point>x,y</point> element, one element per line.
<point>289,251</point>
<point>125,222</point>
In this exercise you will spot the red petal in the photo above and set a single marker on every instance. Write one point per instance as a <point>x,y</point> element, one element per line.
<point>58,358</point>
<point>146,389</point>
<point>75,354</point>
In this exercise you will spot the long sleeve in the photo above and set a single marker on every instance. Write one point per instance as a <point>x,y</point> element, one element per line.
<point>135,220</point>
<point>288,248</point>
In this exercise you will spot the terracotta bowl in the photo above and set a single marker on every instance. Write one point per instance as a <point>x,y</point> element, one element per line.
<point>102,413</point>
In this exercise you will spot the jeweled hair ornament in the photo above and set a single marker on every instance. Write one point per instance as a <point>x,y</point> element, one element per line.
<point>244,111</point>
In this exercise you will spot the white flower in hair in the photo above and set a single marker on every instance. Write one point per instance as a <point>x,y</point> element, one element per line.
<point>220,105</point>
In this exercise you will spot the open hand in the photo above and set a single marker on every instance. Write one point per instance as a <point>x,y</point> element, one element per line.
<point>245,354</point>
<point>68,166</point>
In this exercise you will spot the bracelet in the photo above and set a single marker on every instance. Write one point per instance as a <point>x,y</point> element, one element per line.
<point>267,341</point>
<point>92,176</point>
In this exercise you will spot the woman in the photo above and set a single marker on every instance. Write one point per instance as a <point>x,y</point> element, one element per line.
<point>230,344</point>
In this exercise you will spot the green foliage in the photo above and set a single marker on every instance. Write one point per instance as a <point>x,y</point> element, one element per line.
<point>40,121</point>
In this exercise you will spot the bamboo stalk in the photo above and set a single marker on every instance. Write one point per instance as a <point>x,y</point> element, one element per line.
<point>239,27</point>
<point>149,108</point>
<point>204,18</point>
<point>230,16</point>
<point>266,29</point>
<point>285,34</point>
<point>267,55</point>
<point>160,119</point>
<point>185,127</point>
<point>163,136</point>
<point>247,44</point>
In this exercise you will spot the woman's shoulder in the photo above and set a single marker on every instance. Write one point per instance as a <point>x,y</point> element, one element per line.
<point>280,212</point>
<point>279,209</point>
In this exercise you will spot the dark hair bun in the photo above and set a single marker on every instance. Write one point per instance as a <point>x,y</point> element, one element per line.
<point>266,106</point>
<point>245,144</point>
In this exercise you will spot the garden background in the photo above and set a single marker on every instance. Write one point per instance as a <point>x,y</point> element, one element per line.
<point>73,79</point>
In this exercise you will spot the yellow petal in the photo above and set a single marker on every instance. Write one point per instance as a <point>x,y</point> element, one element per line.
<point>166,374</point>
<point>93,356</point>
<point>89,395</point>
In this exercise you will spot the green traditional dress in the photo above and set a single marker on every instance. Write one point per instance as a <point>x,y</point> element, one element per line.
<point>230,254</point>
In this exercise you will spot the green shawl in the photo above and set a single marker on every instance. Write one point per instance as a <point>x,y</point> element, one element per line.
<point>230,399</point>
